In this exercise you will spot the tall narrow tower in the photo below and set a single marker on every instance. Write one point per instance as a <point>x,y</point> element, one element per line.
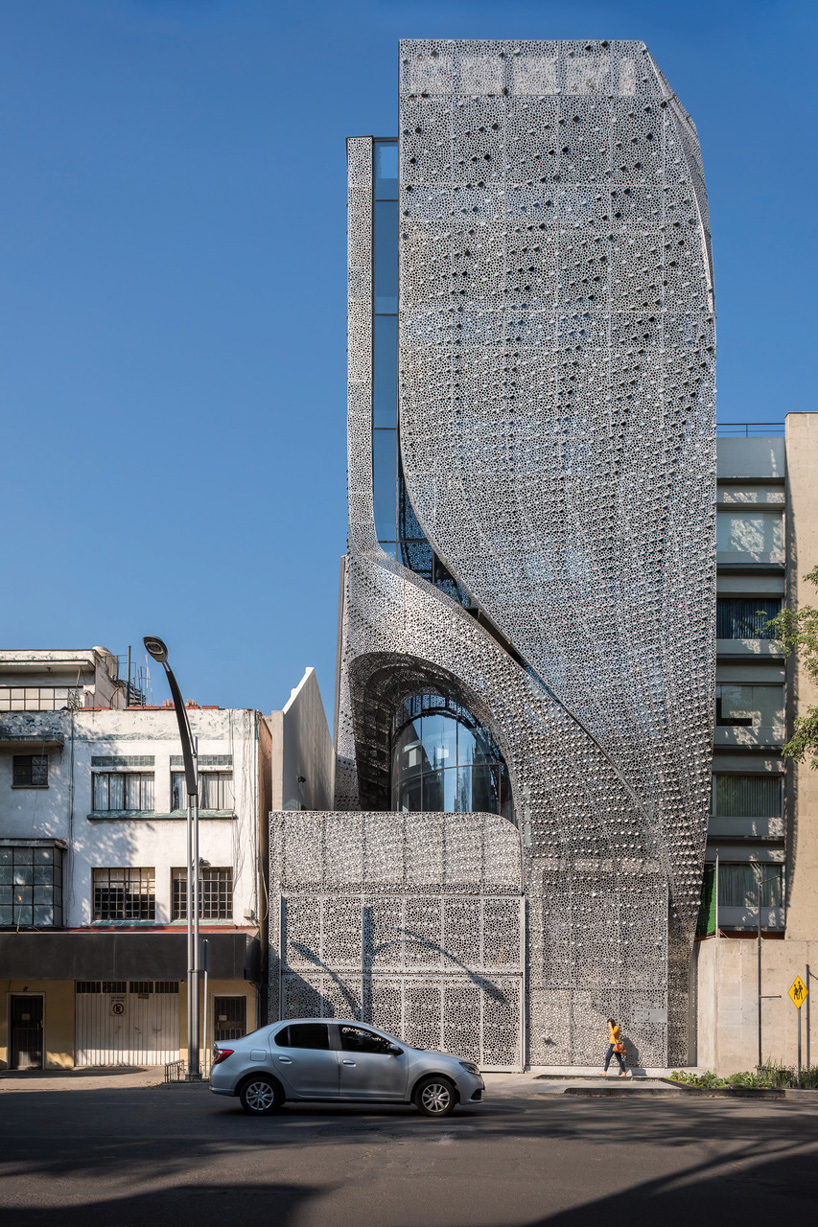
<point>529,592</point>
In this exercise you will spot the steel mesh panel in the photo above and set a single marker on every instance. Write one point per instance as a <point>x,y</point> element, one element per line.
<point>426,967</point>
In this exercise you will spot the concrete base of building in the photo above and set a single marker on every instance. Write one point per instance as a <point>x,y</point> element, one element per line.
<point>727,1008</point>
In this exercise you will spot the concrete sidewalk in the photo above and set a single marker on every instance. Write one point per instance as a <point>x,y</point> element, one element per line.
<point>529,1085</point>
<point>86,1079</point>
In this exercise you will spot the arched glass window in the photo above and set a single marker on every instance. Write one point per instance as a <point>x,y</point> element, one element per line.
<point>445,760</point>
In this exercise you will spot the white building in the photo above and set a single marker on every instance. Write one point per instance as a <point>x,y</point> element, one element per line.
<point>92,866</point>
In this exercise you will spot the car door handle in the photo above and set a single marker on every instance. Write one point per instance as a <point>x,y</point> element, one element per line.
<point>347,1062</point>
<point>285,1060</point>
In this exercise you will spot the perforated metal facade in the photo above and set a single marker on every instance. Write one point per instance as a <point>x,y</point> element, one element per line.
<point>557,442</point>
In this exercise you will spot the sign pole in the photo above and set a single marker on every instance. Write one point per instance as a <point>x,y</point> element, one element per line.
<point>807,984</point>
<point>799,1047</point>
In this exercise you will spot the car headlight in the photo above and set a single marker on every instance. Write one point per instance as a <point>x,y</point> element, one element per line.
<point>469,1067</point>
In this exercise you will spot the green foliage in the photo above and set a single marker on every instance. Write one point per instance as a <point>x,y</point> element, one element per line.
<point>769,1077</point>
<point>797,632</point>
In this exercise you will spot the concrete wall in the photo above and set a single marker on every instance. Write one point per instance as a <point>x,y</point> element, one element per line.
<point>802,791</point>
<point>302,752</point>
<point>728,1003</point>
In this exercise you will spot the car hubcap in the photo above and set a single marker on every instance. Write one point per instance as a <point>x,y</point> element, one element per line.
<point>260,1096</point>
<point>435,1097</point>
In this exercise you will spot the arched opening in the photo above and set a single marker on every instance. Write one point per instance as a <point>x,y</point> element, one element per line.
<point>445,760</point>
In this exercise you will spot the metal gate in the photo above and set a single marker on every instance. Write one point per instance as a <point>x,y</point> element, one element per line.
<point>127,1022</point>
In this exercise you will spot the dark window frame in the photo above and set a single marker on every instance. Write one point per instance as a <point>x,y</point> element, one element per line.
<point>25,769</point>
<point>216,886</point>
<point>124,894</point>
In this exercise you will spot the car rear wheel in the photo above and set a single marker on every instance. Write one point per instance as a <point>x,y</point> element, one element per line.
<point>260,1095</point>
<point>435,1096</point>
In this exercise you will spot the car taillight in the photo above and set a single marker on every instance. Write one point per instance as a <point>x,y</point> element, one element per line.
<point>220,1054</point>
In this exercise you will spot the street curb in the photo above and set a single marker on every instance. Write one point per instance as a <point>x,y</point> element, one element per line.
<point>597,1092</point>
<point>730,1092</point>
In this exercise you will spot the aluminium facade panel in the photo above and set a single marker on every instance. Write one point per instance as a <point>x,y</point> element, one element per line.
<point>557,442</point>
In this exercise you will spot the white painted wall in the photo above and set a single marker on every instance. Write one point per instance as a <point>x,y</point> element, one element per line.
<point>303,755</point>
<point>62,810</point>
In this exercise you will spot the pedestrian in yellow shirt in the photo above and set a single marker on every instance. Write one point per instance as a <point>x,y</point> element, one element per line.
<point>615,1049</point>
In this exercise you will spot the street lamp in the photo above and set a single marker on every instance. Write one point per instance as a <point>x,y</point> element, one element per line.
<point>762,882</point>
<point>157,649</point>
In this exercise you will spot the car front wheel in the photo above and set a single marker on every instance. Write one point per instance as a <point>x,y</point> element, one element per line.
<point>260,1095</point>
<point>435,1096</point>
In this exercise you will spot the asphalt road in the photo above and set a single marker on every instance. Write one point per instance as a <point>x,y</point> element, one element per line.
<point>180,1156</point>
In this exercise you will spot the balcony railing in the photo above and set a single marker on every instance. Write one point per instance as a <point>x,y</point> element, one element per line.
<point>750,430</point>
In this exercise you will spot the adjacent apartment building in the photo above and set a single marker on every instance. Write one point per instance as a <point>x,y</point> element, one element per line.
<point>763,828</point>
<point>93,904</point>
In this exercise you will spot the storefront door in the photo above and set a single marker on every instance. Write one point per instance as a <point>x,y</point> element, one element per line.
<point>26,1015</point>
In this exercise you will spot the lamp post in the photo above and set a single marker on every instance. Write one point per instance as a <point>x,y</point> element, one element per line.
<point>157,649</point>
<point>762,882</point>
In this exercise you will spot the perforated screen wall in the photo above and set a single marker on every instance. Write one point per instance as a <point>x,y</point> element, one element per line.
<point>557,437</point>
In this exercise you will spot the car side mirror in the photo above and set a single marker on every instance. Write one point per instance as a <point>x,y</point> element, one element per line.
<point>395,1051</point>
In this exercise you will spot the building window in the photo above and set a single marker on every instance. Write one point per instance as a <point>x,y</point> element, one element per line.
<point>30,887</point>
<point>753,534</point>
<point>120,791</point>
<point>445,760</point>
<point>215,894</point>
<point>124,894</point>
<point>747,796</point>
<point>749,706</point>
<point>746,617</point>
<point>215,791</point>
<point>30,771</point>
<point>39,698</point>
<point>229,1018</point>
<point>738,885</point>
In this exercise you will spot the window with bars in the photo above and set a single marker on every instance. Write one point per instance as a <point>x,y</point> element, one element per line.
<point>215,894</point>
<point>30,887</point>
<point>124,894</point>
<point>747,796</point>
<point>102,986</point>
<point>30,771</point>
<point>215,790</point>
<point>122,791</point>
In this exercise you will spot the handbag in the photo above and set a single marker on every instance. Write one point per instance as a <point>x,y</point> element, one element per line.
<point>620,1047</point>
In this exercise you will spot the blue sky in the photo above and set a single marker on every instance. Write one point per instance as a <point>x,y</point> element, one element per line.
<point>172,305</point>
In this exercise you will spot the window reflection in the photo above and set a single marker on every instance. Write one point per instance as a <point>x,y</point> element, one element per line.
<point>386,256</point>
<point>386,170</point>
<point>443,760</point>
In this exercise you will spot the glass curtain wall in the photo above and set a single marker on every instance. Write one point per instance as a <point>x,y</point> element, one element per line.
<point>396,525</point>
<point>385,343</point>
<point>443,760</point>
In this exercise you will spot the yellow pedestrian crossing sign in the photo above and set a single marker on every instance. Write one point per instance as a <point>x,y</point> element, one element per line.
<point>799,992</point>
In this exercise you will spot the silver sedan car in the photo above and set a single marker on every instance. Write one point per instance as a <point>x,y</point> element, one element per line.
<point>338,1060</point>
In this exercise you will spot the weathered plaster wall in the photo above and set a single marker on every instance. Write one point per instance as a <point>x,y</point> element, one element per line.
<point>63,810</point>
